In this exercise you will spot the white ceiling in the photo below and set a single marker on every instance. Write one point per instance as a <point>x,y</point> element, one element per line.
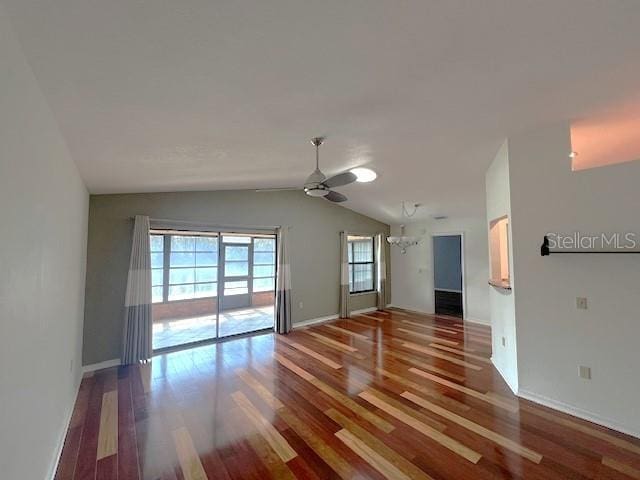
<point>160,95</point>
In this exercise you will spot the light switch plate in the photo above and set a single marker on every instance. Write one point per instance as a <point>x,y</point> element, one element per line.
<point>581,303</point>
<point>585,372</point>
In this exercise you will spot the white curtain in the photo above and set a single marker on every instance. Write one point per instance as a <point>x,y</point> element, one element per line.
<point>345,310</point>
<point>382,271</point>
<point>137,319</point>
<point>283,284</point>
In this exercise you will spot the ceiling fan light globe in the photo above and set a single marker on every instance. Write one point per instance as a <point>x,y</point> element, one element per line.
<point>364,175</point>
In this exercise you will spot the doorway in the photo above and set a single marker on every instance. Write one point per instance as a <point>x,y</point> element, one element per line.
<point>210,285</point>
<point>448,274</point>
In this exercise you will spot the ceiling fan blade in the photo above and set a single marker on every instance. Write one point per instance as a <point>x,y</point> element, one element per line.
<point>283,189</point>
<point>341,179</point>
<point>336,197</point>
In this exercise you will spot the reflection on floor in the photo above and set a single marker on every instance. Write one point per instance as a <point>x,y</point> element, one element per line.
<point>172,332</point>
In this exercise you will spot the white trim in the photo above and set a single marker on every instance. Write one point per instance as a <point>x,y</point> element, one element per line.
<point>313,321</point>
<point>335,316</point>
<point>478,321</point>
<point>462,269</point>
<point>99,366</point>
<point>504,377</point>
<point>577,412</point>
<point>410,309</point>
<point>63,436</point>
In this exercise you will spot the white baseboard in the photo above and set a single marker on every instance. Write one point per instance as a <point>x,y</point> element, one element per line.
<point>364,310</point>
<point>513,388</point>
<point>578,412</point>
<point>63,435</point>
<point>477,321</point>
<point>335,316</point>
<point>410,309</point>
<point>313,321</point>
<point>114,362</point>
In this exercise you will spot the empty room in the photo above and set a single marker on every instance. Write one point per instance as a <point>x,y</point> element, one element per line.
<point>319,240</point>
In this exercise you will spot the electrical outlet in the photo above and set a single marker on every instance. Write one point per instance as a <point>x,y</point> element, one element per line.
<point>300,305</point>
<point>581,303</point>
<point>504,342</point>
<point>585,372</point>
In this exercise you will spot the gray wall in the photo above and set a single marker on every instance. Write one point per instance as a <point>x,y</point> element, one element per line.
<point>43,213</point>
<point>447,265</point>
<point>314,241</point>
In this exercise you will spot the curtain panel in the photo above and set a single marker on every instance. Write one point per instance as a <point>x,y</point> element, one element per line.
<point>137,332</point>
<point>345,310</point>
<point>283,284</point>
<point>382,272</point>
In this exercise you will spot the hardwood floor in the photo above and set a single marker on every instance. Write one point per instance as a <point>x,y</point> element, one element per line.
<point>385,395</point>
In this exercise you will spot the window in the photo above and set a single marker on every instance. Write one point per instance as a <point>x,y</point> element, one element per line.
<point>361,264</point>
<point>264,264</point>
<point>193,267</point>
<point>157,268</point>
<point>183,267</point>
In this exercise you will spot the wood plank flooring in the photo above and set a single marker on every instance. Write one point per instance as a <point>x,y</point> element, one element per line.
<point>392,394</point>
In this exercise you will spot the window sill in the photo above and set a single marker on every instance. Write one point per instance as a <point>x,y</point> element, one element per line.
<point>357,294</point>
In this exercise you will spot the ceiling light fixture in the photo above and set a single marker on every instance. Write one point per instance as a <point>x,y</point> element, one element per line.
<point>404,241</point>
<point>364,175</point>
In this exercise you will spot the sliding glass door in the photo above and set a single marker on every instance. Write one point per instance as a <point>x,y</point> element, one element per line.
<point>207,285</point>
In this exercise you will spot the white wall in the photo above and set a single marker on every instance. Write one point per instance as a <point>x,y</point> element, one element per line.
<point>501,301</point>
<point>412,273</point>
<point>43,214</point>
<point>554,338</point>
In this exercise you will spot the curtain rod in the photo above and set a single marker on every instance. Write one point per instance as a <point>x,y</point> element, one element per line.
<point>196,223</point>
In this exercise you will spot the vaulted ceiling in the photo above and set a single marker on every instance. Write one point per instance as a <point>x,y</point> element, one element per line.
<point>200,94</point>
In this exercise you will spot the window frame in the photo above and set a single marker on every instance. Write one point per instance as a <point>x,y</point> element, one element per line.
<point>220,275</point>
<point>351,264</point>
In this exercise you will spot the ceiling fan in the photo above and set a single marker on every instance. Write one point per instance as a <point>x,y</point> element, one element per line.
<point>318,185</point>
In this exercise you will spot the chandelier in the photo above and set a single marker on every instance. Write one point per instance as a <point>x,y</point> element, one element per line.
<point>404,241</point>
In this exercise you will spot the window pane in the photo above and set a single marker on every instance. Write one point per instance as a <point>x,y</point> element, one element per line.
<point>206,259</point>
<point>263,271</point>
<point>263,284</point>
<point>157,243</point>
<point>264,258</point>
<point>236,269</point>
<point>156,260</point>
<point>206,290</point>
<point>207,244</point>
<point>264,244</point>
<point>363,251</point>
<point>156,277</point>
<point>180,243</point>
<point>183,259</point>
<point>235,239</point>
<point>209,274</point>
<point>235,288</point>
<point>181,292</point>
<point>362,277</point>
<point>156,295</point>
<point>236,253</point>
<point>350,252</point>
<point>181,275</point>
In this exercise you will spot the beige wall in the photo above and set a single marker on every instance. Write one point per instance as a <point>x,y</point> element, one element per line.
<point>43,213</point>
<point>314,241</point>
<point>412,272</point>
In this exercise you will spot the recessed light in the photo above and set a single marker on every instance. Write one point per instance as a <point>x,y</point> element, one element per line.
<point>364,174</point>
<point>573,154</point>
